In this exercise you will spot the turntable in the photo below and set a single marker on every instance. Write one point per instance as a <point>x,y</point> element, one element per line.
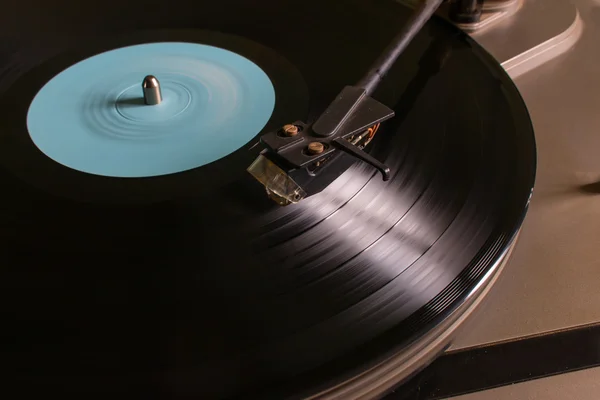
<point>302,199</point>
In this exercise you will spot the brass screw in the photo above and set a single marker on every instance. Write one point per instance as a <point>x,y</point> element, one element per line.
<point>290,130</point>
<point>315,148</point>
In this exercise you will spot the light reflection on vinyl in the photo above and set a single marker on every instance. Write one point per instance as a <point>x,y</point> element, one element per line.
<point>196,284</point>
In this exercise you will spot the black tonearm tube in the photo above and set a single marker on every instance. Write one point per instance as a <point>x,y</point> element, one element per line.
<point>302,159</point>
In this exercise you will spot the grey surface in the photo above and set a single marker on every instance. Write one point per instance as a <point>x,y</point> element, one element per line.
<point>580,385</point>
<point>535,23</point>
<point>553,279</point>
<point>539,31</point>
<point>515,38</point>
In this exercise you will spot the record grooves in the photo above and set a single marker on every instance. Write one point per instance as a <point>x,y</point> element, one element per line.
<point>196,284</point>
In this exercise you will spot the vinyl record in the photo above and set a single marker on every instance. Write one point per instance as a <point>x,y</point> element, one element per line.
<point>75,119</point>
<point>141,258</point>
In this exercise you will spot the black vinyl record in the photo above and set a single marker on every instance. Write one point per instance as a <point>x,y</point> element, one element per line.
<point>197,285</point>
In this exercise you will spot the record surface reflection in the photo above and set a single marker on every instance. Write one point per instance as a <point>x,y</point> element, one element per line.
<point>195,284</point>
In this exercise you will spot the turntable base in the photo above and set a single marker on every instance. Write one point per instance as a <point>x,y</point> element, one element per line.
<point>580,385</point>
<point>538,32</point>
<point>515,38</point>
<point>542,317</point>
<point>550,283</point>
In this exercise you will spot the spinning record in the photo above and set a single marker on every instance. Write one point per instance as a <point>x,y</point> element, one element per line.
<point>92,117</point>
<point>141,258</point>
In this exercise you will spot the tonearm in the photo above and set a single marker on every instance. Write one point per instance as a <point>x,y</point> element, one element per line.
<point>302,159</point>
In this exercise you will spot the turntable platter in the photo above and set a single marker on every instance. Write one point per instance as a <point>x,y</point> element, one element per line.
<point>153,264</point>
